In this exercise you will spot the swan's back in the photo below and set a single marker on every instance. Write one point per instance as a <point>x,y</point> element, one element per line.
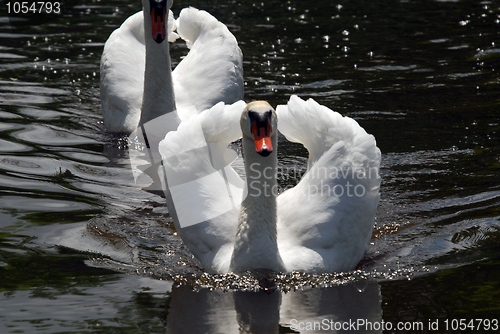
<point>326,221</point>
<point>213,69</point>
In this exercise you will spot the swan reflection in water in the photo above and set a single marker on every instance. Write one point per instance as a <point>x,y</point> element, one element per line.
<point>315,310</point>
<point>214,308</point>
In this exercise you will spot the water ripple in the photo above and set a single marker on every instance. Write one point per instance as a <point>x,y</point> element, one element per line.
<point>50,135</point>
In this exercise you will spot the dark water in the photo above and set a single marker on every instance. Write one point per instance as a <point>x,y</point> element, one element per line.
<point>83,250</point>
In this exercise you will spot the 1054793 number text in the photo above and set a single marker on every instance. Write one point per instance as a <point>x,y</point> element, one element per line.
<point>33,7</point>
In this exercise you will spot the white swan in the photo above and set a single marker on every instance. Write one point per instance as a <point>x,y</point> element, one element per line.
<point>137,83</point>
<point>323,224</point>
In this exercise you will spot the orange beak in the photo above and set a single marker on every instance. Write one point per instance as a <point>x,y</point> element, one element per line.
<point>263,144</point>
<point>158,19</point>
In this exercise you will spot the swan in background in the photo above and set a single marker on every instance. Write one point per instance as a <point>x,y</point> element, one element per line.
<point>323,224</point>
<point>137,83</point>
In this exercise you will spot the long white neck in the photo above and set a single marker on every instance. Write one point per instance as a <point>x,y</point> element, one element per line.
<point>256,244</point>
<point>158,97</point>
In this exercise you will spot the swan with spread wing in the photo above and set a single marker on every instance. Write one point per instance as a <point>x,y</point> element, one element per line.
<point>323,224</point>
<point>137,82</point>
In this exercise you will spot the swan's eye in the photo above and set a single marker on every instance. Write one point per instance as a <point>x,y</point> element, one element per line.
<point>157,4</point>
<point>260,120</point>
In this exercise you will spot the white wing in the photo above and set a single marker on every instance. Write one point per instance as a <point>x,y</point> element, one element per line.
<point>325,222</point>
<point>122,73</point>
<point>204,192</point>
<point>213,69</point>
